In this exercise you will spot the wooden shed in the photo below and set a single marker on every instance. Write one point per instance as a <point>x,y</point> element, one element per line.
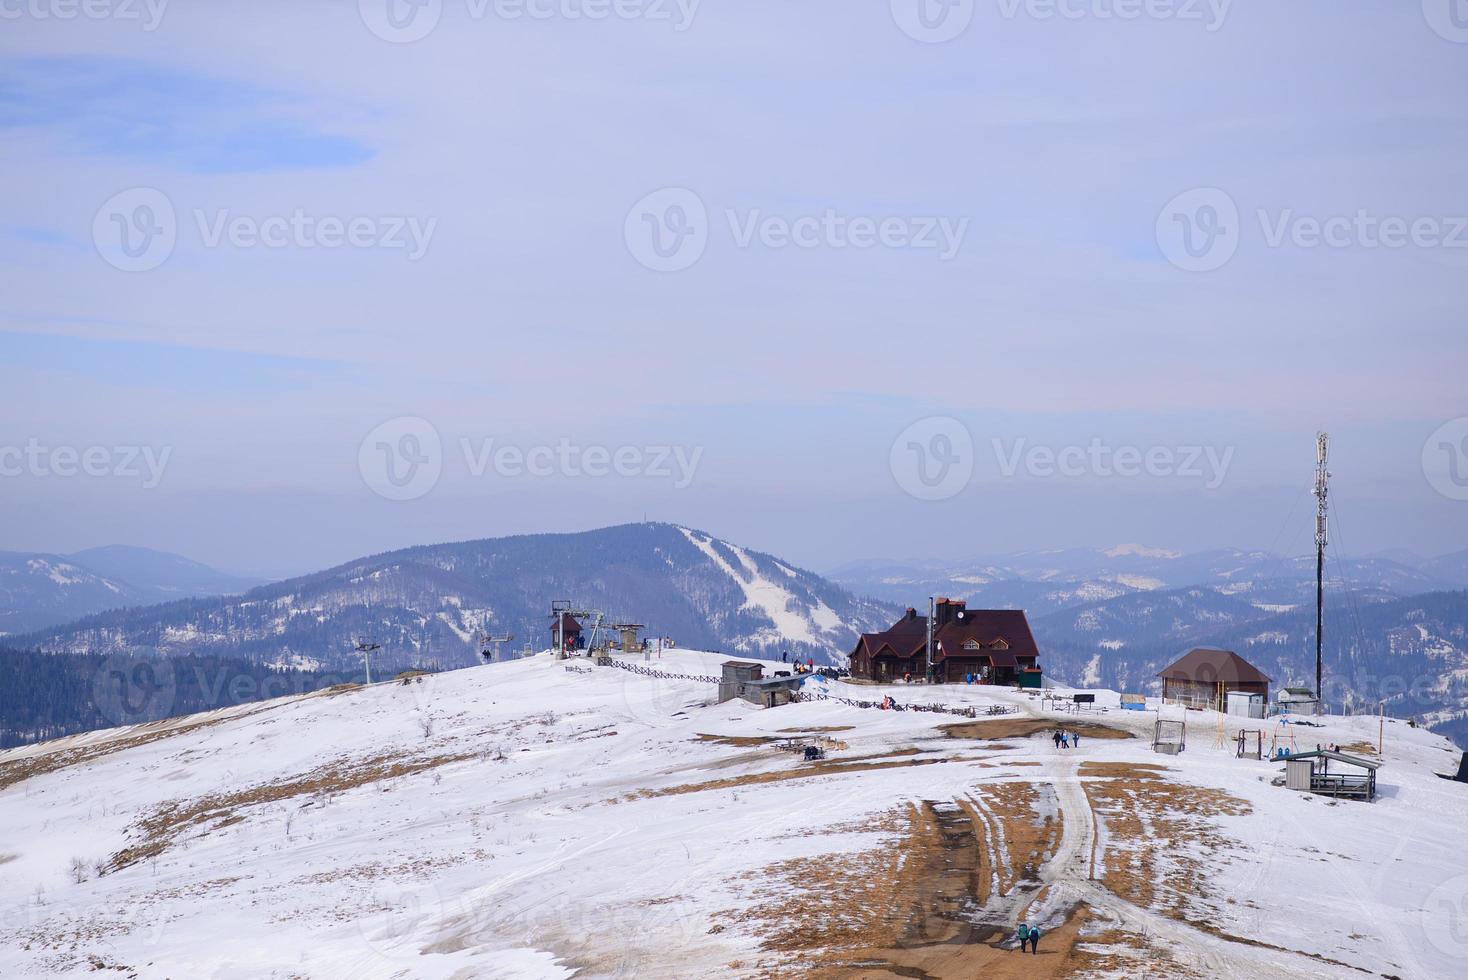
<point>1203,678</point>
<point>1309,772</point>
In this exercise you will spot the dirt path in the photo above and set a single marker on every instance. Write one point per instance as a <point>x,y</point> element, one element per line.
<point>1070,878</point>
<point>949,939</point>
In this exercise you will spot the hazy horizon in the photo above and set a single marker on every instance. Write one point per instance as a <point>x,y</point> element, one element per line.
<point>290,284</point>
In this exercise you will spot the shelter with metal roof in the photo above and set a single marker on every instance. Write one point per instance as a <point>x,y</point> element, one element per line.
<point>1309,772</point>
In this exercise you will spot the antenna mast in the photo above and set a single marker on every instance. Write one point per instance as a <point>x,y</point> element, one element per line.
<point>1322,480</point>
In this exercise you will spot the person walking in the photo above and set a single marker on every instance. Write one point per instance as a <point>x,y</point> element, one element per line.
<point>1057,738</point>
<point>1035,940</point>
<point>1023,932</point>
<point>1076,739</point>
<point>1065,740</point>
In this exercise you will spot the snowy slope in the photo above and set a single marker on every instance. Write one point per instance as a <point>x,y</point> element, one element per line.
<point>529,820</point>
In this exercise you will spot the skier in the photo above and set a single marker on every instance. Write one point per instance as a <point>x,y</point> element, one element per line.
<point>1024,936</point>
<point>1035,940</point>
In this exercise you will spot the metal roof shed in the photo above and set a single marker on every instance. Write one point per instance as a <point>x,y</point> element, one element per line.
<point>1309,772</point>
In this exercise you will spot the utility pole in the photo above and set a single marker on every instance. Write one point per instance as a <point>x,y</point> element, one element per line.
<point>1322,480</point>
<point>928,649</point>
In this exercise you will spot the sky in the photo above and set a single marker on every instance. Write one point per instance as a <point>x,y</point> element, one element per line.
<point>291,283</point>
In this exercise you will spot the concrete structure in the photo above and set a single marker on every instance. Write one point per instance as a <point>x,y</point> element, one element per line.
<point>745,679</point>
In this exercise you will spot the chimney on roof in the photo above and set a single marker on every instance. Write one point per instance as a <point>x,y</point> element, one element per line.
<point>946,610</point>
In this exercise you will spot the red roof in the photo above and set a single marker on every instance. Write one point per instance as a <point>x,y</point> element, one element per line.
<point>1212,666</point>
<point>571,625</point>
<point>987,627</point>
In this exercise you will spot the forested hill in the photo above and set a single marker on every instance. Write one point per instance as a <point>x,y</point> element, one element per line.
<point>49,695</point>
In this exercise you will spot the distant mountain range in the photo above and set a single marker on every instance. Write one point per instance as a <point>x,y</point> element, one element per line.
<point>40,590</point>
<point>1046,581</point>
<point>429,604</point>
<point>1396,628</point>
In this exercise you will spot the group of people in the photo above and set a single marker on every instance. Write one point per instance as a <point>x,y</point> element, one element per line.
<point>807,667</point>
<point>1029,937</point>
<point>1067,740</point>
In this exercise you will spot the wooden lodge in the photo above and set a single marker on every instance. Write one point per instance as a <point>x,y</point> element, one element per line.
<point>987,646</point>
<point>1204,678</point>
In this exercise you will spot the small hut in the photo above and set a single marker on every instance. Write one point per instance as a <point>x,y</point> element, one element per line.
<point>1309,772</point>
<point>1295,701</point>
<point>745,679</point>
<point>565,628</point>
<point>1203,678</point>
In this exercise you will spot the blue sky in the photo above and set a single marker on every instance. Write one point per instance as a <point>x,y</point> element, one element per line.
<point>518,148</point>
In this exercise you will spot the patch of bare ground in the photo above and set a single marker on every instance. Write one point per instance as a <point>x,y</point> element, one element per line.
<point>739,741</point>
<point>1367,749</point>
<point>1024,820</point>
<point>1118,952</point>
<point>806,770</point>
<point>1024,727</point>
<point>155,832</point>
<point>818,729</point>
<point>912,906</point>
<point>1161,836</point>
